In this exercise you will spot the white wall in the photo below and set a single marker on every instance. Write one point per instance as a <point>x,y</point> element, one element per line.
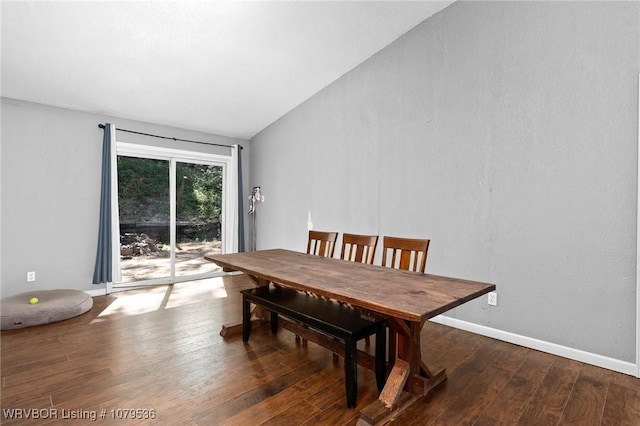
<point>504,131</point>
<point>50,176</point>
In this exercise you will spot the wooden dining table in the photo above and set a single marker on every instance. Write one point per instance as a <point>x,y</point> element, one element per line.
<point>405,299</point>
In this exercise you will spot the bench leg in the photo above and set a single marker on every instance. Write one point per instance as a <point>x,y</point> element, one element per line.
<point>381,373</point>
<point>274,322</point>
<point>246,319</point>
<point>351,372</point>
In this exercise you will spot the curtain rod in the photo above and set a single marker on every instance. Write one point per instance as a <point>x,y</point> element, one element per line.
<point>166,137</point>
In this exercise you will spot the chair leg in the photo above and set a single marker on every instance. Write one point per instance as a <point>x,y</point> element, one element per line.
<point>274,322</point>
<point>298,338</point>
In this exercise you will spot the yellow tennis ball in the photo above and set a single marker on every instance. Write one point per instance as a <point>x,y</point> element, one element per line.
<point>34,300</point>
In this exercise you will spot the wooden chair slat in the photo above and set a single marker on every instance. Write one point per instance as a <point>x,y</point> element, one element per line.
<point>359,248</point>
<point>406,253</point>
<point>322,243</point>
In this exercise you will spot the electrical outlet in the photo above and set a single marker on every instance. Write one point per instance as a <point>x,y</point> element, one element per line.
<point>493,299</point>
<point>31,276</point>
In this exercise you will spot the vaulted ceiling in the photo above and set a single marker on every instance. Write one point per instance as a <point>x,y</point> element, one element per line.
<point>223,67</point>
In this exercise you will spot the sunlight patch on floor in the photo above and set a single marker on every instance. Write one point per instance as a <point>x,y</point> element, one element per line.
<point>150,299</point>
<point>196,291</point>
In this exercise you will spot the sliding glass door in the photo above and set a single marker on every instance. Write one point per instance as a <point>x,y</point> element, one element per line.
<point>172,213</point>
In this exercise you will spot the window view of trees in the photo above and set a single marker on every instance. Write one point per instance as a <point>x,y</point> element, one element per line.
<point>144,209</point>
<point>145,183</point>
<point>143,190</point>
<point>199,193</point>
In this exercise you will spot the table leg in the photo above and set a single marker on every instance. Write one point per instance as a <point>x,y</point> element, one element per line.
<point>409,380</point>
<point>236,328</point>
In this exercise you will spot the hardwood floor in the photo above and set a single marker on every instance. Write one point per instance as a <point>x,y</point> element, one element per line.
<point>159,349</point>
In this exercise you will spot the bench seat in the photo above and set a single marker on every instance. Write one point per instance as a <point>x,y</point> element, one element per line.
<point>335,320</point>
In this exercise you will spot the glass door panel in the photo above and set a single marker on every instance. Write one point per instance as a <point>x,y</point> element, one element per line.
<point>144,209</point>
<point>198,217</point>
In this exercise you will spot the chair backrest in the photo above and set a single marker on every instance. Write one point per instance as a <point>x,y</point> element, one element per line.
<point>359,248</point>
<point>405,253</point>
<point>322,243</point>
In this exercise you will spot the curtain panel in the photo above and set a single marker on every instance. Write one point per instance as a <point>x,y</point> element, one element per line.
<point>240,246</point>
<point>107,268</point>
<point>235,227</point>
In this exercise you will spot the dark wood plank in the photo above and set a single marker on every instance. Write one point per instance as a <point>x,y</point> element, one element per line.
<point>622,406</point>
<point>485,420</point>
<point>548,403</point>
<point>519,390</point>
<point>486,388</point>
<point>586,402</point>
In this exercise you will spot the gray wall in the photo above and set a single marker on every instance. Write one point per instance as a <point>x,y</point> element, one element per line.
<point>505,132</point>
<point>50,177</point>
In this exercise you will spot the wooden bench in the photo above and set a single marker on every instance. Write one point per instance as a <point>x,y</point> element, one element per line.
<point>335,320</point>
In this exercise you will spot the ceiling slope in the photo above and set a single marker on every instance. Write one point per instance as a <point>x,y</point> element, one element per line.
<point>229,68</point>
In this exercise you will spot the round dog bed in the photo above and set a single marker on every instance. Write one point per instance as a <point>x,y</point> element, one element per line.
<point>53,305</point>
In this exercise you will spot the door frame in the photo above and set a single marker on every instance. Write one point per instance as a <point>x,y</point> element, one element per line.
<point>638,249</point>
<point>173,156</point>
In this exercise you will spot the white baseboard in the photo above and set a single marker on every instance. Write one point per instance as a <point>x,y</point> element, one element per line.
<point>98,292</point>
<point>101,291</point>
<point>541,345</point>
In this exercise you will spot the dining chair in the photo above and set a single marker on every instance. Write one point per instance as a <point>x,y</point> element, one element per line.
<point>409,254</point>
<point>362,249</point>
<point>359,248</point>
<point>322,243</point>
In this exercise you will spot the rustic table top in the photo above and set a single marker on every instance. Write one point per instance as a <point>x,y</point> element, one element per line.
<point>401,294</point>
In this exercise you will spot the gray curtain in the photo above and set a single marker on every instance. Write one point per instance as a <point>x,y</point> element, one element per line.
<point>103,268</point>
<point>240,204</point>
